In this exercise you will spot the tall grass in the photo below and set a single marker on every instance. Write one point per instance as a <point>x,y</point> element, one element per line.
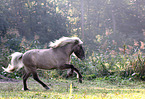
<point>127,63</point>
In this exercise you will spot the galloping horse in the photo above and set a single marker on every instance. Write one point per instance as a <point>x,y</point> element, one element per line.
<point>56,57</point>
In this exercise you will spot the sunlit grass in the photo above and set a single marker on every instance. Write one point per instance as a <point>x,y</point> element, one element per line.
<point>71,89</point>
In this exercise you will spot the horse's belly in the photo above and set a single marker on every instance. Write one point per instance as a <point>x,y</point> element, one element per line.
<point>46,66</point>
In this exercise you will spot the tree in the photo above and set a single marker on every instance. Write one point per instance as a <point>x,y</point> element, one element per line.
<point>35,17</point>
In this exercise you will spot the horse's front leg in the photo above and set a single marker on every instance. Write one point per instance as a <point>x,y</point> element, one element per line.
<point>72,67</point>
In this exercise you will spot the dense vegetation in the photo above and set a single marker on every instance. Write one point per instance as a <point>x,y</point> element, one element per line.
<point>113,33</point>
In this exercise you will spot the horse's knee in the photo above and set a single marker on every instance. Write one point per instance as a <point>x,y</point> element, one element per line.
<point>35,78</point>
<point>72,67</point>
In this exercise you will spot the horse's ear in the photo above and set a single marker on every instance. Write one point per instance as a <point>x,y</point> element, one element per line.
<point>76,42</point>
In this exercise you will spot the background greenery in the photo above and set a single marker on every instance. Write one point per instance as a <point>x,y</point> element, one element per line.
<point>113,32</point>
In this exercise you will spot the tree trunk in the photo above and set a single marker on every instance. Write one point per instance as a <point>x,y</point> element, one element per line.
<point>82,18</point>
<point>114,22</point>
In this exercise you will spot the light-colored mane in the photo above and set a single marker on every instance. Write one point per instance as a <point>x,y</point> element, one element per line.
<point>63,41</point>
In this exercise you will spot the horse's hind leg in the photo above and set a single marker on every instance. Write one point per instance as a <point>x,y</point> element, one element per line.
<point>70,73</point>
<point>25,77</point>
<point>68,66</point>
<point>35,76</point>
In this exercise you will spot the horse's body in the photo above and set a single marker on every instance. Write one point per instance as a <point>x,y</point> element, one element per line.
<point>44,59</point>
<point>56,57</point>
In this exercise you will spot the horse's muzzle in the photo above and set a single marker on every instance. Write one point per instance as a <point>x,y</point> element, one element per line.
<point>82,58</point>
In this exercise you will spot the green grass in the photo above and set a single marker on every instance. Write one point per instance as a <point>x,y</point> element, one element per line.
<point>61,89</point>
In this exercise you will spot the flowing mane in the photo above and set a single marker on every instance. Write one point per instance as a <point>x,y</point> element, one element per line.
<point>63,41</point>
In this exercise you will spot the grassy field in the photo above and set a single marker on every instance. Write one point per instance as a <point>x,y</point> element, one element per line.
<point>71,89</point>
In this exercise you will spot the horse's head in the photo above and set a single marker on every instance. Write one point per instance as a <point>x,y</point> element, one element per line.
<point>79,51</point>
<point>76,45</point>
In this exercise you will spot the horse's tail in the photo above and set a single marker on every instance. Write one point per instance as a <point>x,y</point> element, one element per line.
<point>16,62</point>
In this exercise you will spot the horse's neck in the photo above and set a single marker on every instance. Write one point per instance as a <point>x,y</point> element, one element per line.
<point>67,49</point>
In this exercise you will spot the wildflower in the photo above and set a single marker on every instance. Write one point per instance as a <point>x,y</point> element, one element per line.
<point>142,45</point>
<point>121,49</point>
<point>36,37</point>
<point>114,43</point>
<point>136,43</point>
<point>128,51</point>
<point>130,47</point>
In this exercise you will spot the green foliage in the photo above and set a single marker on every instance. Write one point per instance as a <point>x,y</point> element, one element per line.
<point>10,44</point>
<point>124,66</point>
<point>137,67</point>
<point>33,17</point>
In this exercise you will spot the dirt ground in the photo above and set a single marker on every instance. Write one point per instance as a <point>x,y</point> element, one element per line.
<point>7,80</point>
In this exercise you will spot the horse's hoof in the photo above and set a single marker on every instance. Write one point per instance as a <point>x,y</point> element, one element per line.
<point>80,80</point>
<point>47,88</point>
<point>25,89</point>
<point>66,77</point>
